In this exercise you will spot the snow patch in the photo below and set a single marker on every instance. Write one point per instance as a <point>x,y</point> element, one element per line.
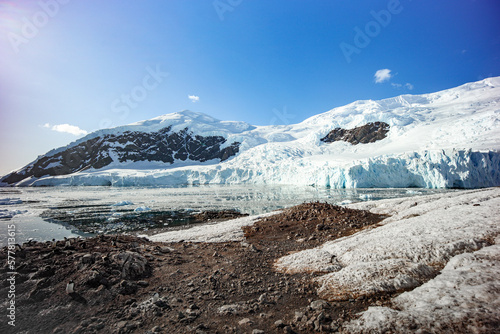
<point>218,232</point>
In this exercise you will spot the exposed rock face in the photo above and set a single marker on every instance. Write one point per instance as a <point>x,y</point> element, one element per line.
<point>163,146</point>
<point>368,133</point>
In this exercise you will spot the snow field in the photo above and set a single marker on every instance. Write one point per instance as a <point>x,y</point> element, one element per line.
<point>407,250</point>
<point>463,298</point>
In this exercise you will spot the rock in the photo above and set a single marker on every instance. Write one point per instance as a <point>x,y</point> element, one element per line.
<point>133,265</point>
<point>279,324</point>
<point>165,249</point>
<point>288,330</point>
<point>264,299</point>
<point>258,331</point>
<point>299,316</point>
<point>161,304</point>
<point>127,288</point>
<point>78,330</point>
<point>99,326</point>
<point>229,309</point>
<point>193,312</point>
<point>142,284</point>
<point>200,328</point>
<point>94,279</point>
<point>121,324</point>
<point>87,259</point>
<point>39,294</point>
<point>44,272</point>
<point>245,322</point>
<point>368,133</point>
<point>319,304</point>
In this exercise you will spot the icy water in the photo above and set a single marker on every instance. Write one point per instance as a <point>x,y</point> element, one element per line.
<point>35,213</point>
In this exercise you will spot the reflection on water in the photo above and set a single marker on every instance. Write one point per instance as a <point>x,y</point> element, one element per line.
<point>251,199</point>
<point>29,227</point>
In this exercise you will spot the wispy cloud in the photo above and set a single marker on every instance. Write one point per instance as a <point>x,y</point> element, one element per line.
<point>407,85</point>
<point>194,98</point>
<point>382,75</point>
<point>66,128</point>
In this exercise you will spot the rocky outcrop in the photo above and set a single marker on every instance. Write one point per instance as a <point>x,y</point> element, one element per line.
<point>130,146</point>
<point>368,133</point>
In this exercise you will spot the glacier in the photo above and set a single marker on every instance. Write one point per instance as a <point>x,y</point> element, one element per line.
<point>447,139</point>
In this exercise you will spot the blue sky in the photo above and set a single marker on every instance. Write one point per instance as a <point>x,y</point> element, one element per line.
<point>68,67</point>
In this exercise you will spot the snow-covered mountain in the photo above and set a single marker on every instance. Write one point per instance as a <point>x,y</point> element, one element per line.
<point>445,139</point>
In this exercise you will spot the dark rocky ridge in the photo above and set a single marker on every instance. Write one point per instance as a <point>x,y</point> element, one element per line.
<point>368,133</point>
<point>163,146</point>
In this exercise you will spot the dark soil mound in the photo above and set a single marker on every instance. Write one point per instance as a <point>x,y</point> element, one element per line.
<point>311,224</point>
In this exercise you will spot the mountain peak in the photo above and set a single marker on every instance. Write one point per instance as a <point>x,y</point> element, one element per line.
<point>184,115</point>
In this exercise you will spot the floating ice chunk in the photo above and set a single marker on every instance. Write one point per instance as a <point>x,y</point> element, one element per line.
<point>7,214</point>
<point>366,197</point>
<point>122,203</point>
<point>142,209</point>
<point>10,201</point>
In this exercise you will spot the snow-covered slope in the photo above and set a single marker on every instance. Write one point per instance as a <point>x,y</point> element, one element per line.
<point>442,249</point>
<point>445,139</point>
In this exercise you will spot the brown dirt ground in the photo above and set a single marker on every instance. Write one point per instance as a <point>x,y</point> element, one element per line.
<point>202,287</point>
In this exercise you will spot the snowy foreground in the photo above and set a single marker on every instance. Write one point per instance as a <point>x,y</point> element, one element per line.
<point>443,249</point>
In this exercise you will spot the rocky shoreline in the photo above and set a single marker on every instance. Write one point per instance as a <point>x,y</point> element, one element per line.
<point>128,284</point>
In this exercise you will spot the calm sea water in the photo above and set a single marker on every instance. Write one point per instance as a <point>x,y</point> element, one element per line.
<point>21,207</point>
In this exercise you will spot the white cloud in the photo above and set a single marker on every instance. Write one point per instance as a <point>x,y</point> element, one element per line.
<point>382,75</point>
<point>66,128</point>
<point>407,85</point>
<point>194,98</point>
